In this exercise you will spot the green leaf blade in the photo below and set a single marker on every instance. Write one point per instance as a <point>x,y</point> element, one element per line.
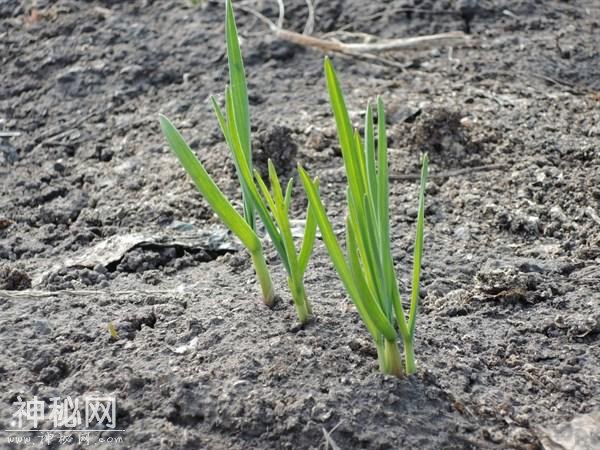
<point>383,189</point>
<point>275,185</point>
<point>308,242</point>
<point>337,257</point>
<point>350,152</point>
<point>357,273</point>
<point>237,80</point>
<point>249,186</point>
<point>288,195</point>
<point>207,187</point>
<point>418,252</point>
<point>369,152</point>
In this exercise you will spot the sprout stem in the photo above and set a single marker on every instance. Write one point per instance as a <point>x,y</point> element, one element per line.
<point>264,278</point>
<point>301,303</point>
<point>392,361</point>
<point>409,356</point>
<point>380,356</point>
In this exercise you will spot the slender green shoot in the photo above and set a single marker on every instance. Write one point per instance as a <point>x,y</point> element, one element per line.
<point>272,209</point>
<point>294,262</point>
<point>237,134</point>
<point>221,206</point>
<point>367,268</point>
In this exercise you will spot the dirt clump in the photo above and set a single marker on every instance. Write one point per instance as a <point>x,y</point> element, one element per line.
<point>13,279</point>
<point>440,133</point>
<point>276,143</point>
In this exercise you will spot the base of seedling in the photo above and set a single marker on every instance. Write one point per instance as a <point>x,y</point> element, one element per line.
<point>390,360</point>
<point>264,278</point>
<point>409,357</point>
<point>301,303</point>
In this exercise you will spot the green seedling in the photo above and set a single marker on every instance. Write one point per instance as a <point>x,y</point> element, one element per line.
<point>367,270</point>
<point>240,226</point>
<point>112,330</point>
<point>237,133</point>
<point>294,263</point>
<point>272,209</point>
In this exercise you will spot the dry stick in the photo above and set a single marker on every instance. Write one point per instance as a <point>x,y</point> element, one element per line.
<point>4,134</point>
<point>33,293</point>
<point>281,14</point>
<point>332,46</point>
<point>60,130</point>
<point>310,21</point>
<point>328,439</point>
<point>571,87</point>
<point>361,51</point>
<point>433,40</point>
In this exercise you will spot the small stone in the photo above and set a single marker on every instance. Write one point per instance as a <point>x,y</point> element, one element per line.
<point>490,209</point>
<point>217,320</point>
<point>520,434</point>
<point>412,212</point>
<point>540,176</point>
<point>462,233</point>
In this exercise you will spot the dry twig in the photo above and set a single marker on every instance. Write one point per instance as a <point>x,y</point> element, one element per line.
<point>364,50</point>
<point>34,293</point>
<point>328,439</point>
<point>310,21</point>
<point>4,134</point>
<point>281,13</point>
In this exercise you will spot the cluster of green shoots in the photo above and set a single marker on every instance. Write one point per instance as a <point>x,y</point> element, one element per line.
<point>366,269</point>
<point>272,208</point>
